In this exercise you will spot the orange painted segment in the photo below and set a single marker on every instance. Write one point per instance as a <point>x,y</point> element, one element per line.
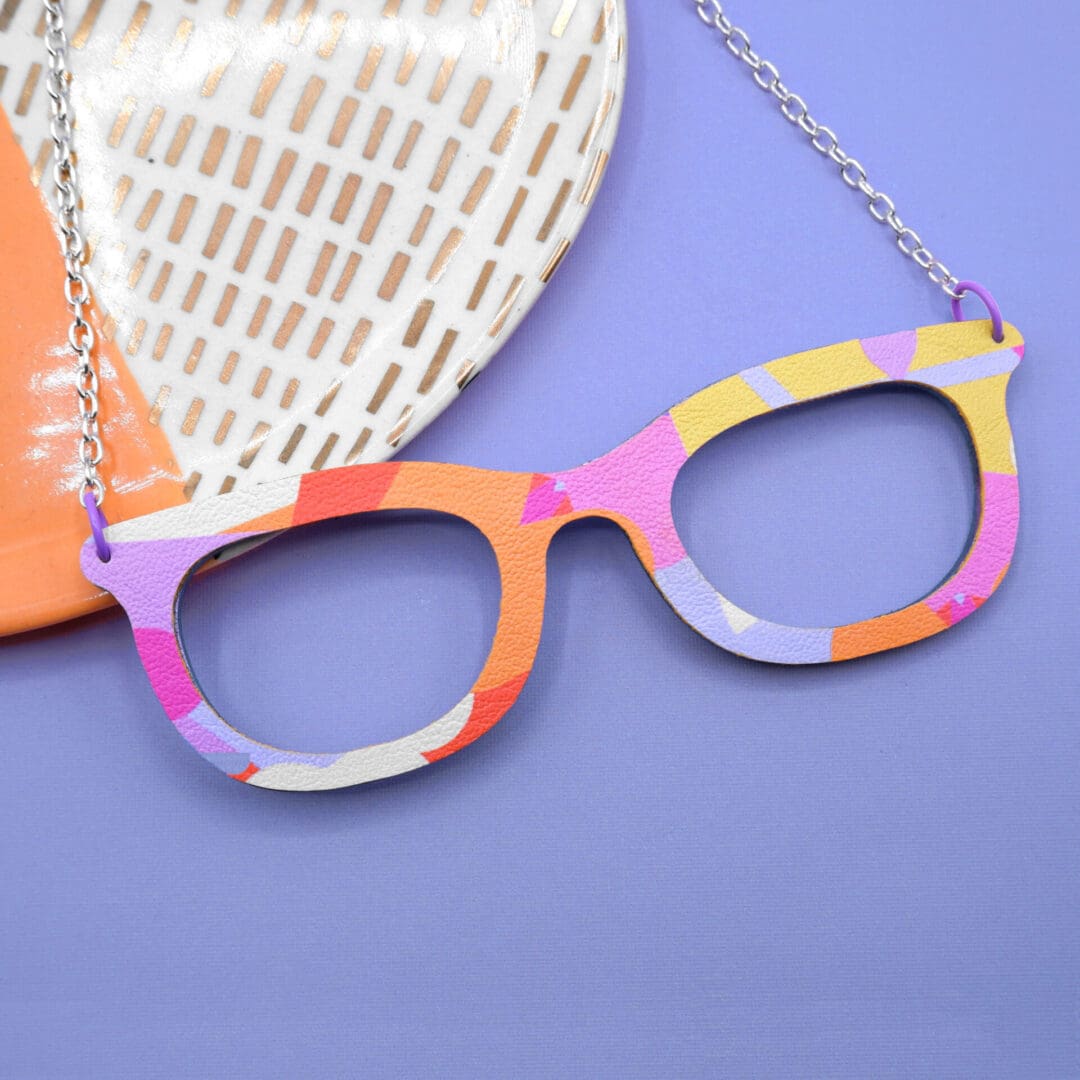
<point>491,500</point>
<point>886,632</point>
<point>41,525</point>
<point>523,567</point>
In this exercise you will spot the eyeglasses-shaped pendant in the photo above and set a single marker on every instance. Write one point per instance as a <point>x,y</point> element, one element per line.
<point>154,556</point>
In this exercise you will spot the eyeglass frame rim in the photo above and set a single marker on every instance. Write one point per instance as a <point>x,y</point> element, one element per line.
<point>536,541</point>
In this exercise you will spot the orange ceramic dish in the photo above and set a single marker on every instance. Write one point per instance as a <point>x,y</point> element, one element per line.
<point>42,525</point>
<point>307,229</point>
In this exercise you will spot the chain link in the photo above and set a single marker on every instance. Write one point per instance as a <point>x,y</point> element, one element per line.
<point>68,197</point>
<point>69,220</point>
<point>825,142</point>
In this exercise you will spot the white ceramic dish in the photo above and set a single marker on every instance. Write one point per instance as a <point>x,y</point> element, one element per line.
<point>311,228</point>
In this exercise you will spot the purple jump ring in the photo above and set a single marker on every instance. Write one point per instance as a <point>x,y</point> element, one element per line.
<point>98,525</point>
<point>984,294</point>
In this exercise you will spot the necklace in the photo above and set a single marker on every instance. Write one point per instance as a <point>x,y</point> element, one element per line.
<point>145,562</point>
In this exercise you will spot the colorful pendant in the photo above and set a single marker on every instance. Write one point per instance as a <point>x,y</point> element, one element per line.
<point>151,558</point>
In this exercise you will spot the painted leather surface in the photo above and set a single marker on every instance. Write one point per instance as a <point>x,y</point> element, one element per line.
<point>310,225</point>
<point>519,513</point>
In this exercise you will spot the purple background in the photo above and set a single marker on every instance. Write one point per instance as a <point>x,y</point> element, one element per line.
<point>666,861</point>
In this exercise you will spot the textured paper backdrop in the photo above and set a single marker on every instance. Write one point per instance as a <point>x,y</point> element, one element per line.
<point>666,861</point>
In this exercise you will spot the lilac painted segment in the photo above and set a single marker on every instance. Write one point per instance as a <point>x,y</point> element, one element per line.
<point>192,727</point>
<point>231,763</point>
<point>209,734</point>
<point>144,575</point>
<point>998,362</point>
<point>767,387</point>
<point>708,613</point>
<point>635,480</point>
<point>893,353</point>
<point>264,756</point>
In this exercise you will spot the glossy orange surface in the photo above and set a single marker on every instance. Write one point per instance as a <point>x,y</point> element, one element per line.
<point>41,523</point>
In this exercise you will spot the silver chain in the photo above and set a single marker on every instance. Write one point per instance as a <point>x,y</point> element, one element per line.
<point>824,141</point>
<point>69,220</point>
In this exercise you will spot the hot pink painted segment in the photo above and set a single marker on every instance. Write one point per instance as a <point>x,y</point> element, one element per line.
<point>168,675</point>
<point>635,480</point>
<point>892,353</point>
<point>543,502</point>
<point>992,552</point>
<point>952,611</point>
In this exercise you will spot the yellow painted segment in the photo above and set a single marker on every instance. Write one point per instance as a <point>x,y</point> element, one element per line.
<point>982,405</point>
<point>954,341</point>
<point>824,371</point>
<point>714,409</point>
